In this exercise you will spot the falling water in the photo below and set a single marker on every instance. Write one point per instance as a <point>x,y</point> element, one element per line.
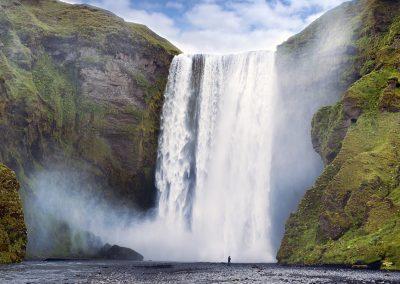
<point>214,154</point>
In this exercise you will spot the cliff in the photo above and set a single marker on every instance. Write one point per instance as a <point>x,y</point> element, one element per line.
<point>12,225</point>
<point>82,90</point>
<point>351,215</point>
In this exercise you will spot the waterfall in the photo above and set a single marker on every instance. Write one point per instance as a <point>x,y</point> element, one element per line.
<point>214,156</point>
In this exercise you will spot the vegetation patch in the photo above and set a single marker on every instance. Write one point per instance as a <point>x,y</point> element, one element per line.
<point>12,226</point>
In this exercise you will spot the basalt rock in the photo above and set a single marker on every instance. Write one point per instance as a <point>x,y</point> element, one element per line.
<point>119,253</point>
<point>390,97</point>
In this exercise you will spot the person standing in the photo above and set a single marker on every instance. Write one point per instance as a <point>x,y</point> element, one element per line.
<point>229,260</point>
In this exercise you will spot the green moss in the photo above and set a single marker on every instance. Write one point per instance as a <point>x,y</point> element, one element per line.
<point>53,17</point>
<point>366,92</point>
<point>12,225</point>
<point>325,125</point>
<point>368,177</point>
<point>50,17</point>
<point>18,82</point>
<point>153,38</point>
<point>55,91</point>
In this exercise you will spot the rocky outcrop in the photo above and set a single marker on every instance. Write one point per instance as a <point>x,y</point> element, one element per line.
<point>351,214</point>
<point>390,98</point>
<point>107,251</point>
<point>81,89</point>
<point>119,253</point>
<point>12,225</point>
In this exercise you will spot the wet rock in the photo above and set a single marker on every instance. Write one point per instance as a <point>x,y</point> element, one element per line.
<point>393,82</point>
<point>332,225</point>
<point>374,265</point>
<point>119,253</point>
<point>390,98</point>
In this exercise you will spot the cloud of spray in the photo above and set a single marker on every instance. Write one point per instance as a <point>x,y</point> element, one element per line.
<point>68,216</point>
<point>62,198</point>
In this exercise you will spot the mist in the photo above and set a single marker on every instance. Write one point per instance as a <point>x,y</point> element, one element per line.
<point>68,217</point>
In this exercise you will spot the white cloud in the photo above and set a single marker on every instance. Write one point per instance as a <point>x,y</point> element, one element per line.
<point>215,26</point>
<point>174,5</point>
<point>213,17</point>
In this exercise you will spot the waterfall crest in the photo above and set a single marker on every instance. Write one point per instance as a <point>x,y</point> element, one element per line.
<point>214,156</point>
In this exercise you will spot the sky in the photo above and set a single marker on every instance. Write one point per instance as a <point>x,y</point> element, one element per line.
<point>220,26</point>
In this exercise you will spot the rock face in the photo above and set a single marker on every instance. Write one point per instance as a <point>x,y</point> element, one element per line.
<point>351,215</point>
<point>12,225</point>
<point>81,89</point>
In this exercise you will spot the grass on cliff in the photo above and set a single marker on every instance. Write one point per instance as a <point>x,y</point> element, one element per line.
<point>18,81</point>
<point>54,18</point>
<point>12,226</point>
<point>55,91</point>
<point>362,198</point>
<point>370,152</point>
<point>368,90</point>
<point>153,38</point>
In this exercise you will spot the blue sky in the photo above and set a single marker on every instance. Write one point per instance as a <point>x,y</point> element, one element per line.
<point>220,26</point>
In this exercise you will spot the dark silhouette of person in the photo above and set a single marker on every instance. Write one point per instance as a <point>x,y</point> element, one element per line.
<point>229,260</point>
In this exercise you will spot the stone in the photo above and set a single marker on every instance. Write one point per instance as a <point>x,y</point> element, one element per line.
<point>119,253</point>
<point>389,100</point>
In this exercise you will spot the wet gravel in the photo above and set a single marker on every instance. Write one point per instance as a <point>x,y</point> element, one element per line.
<point>169,272</point>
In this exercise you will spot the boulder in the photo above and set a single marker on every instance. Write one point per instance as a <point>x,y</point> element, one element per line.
<point>119,253</point>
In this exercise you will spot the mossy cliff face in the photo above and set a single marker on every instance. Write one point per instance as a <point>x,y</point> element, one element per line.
<point>352,213</point>
<point>12,226</point>
<point>81,89</point>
